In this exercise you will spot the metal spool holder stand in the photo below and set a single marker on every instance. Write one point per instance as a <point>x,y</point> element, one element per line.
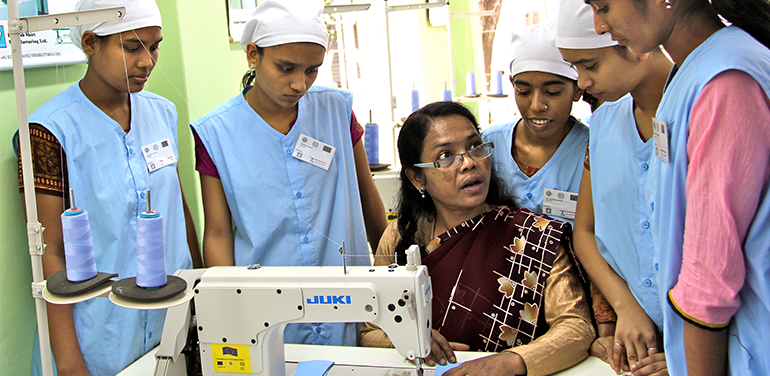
<point>16,27</point>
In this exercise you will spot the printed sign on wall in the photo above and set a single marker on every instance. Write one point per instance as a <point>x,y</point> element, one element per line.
<point>40,48</point>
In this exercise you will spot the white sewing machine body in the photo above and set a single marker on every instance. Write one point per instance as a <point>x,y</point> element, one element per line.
<point>241,313</point>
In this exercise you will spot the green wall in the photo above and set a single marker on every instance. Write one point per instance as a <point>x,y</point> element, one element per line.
<point>462,50</point>
<point>203,70</point>
<point>17,311</point>
<point>195,39</point>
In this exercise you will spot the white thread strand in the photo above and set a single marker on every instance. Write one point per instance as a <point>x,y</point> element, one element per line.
<point>252,175</point>
<point>125,69</point>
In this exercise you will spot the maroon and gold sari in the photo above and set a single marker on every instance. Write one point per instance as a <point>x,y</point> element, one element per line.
<point>489,275</point>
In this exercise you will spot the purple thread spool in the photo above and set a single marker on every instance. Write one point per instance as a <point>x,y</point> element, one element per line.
<point>372,141</point>
<point>496,86</point>
<point>446,95</point>
<point>150,249</point>
<point>78,247</point>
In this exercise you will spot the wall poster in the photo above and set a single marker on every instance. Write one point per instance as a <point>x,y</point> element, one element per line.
<point>39,48</point>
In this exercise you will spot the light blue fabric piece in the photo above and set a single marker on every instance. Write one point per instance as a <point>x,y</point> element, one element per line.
<point>109,174</point>
<point>562,172</point>
<point>313,368</point>
<point>283,209</point>
<point>440,370</point>
<point>748,350</point>
<point>619,167</point>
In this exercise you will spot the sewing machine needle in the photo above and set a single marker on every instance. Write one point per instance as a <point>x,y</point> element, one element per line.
<point>418,363</point>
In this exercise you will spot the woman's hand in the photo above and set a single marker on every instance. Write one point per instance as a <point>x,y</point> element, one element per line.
<point>635,338</point>
<point>442,350</point>
<point>602,345</point>
<point>501,364</point>
<point>653,365</point>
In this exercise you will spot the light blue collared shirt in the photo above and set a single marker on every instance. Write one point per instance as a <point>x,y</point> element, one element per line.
<point>620,162</point>
<point>286,211</point>
<point>562,172</point>
<point>108,171</point>
<point>730,48</point>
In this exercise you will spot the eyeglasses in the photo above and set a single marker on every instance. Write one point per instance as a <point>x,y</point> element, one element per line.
<point>452,162</point>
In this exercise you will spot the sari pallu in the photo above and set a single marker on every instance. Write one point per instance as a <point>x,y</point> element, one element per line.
<point>489,275</point>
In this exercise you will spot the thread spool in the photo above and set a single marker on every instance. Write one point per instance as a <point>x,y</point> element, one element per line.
<point>415,99</point>
<point>151,283</point>
<point>150,252</point>
<point>496,84</point>
<point>446,95</point>
<point>372,141</point>
<point>78,247</point>
<point>470,83</point>
<point>80,276</point>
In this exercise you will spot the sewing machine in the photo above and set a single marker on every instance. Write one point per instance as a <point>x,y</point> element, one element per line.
<point>241,313</point>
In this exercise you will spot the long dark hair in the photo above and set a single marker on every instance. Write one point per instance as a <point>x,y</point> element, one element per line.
<point>411,205</point>
<point>753,16</point>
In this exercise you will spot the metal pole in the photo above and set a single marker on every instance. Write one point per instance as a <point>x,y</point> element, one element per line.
<point>390,68</point>
<point>34,228</point>
<point>450,51</point>
<point>16,26</point>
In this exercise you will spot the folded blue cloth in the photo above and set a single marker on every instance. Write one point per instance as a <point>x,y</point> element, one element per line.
<point>313,368</point>
<point>441,369</point>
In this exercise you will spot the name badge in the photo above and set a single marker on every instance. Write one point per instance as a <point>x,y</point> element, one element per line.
<point>159,154</point>
<point>660,132</point>
<point>315,152</point>
<point>559,203</point>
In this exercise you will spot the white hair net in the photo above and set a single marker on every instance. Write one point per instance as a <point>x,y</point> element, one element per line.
<point>139,14</point>
<point>286,21</point>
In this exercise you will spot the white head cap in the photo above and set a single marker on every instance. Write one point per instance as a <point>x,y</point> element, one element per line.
<point>575,27</point>
<point>139,14</point>
<point>537,52</point>
<point>277,22</point>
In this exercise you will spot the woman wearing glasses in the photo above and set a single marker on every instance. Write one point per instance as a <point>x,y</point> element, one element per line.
<point>546,147</point>
<point>482,255</point>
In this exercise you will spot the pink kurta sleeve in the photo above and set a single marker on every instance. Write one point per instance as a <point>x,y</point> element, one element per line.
<point>728,151</point>
<point>356,130</point>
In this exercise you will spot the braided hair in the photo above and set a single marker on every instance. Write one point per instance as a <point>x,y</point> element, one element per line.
<point>249,77</point>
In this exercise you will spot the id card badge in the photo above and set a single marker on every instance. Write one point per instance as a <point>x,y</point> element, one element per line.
<point>660,132</point>
<point>315,152</point>
<point>159,154</point>
<point>559,203</point>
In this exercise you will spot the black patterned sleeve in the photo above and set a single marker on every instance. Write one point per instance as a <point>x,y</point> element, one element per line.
<point>48,161</point>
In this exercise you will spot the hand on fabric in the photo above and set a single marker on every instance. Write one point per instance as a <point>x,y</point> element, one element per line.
<point>653,365</point>
<point>442,350</point>
<point>602,345</point>
<point>635,334</point>
<point>501,364</point>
